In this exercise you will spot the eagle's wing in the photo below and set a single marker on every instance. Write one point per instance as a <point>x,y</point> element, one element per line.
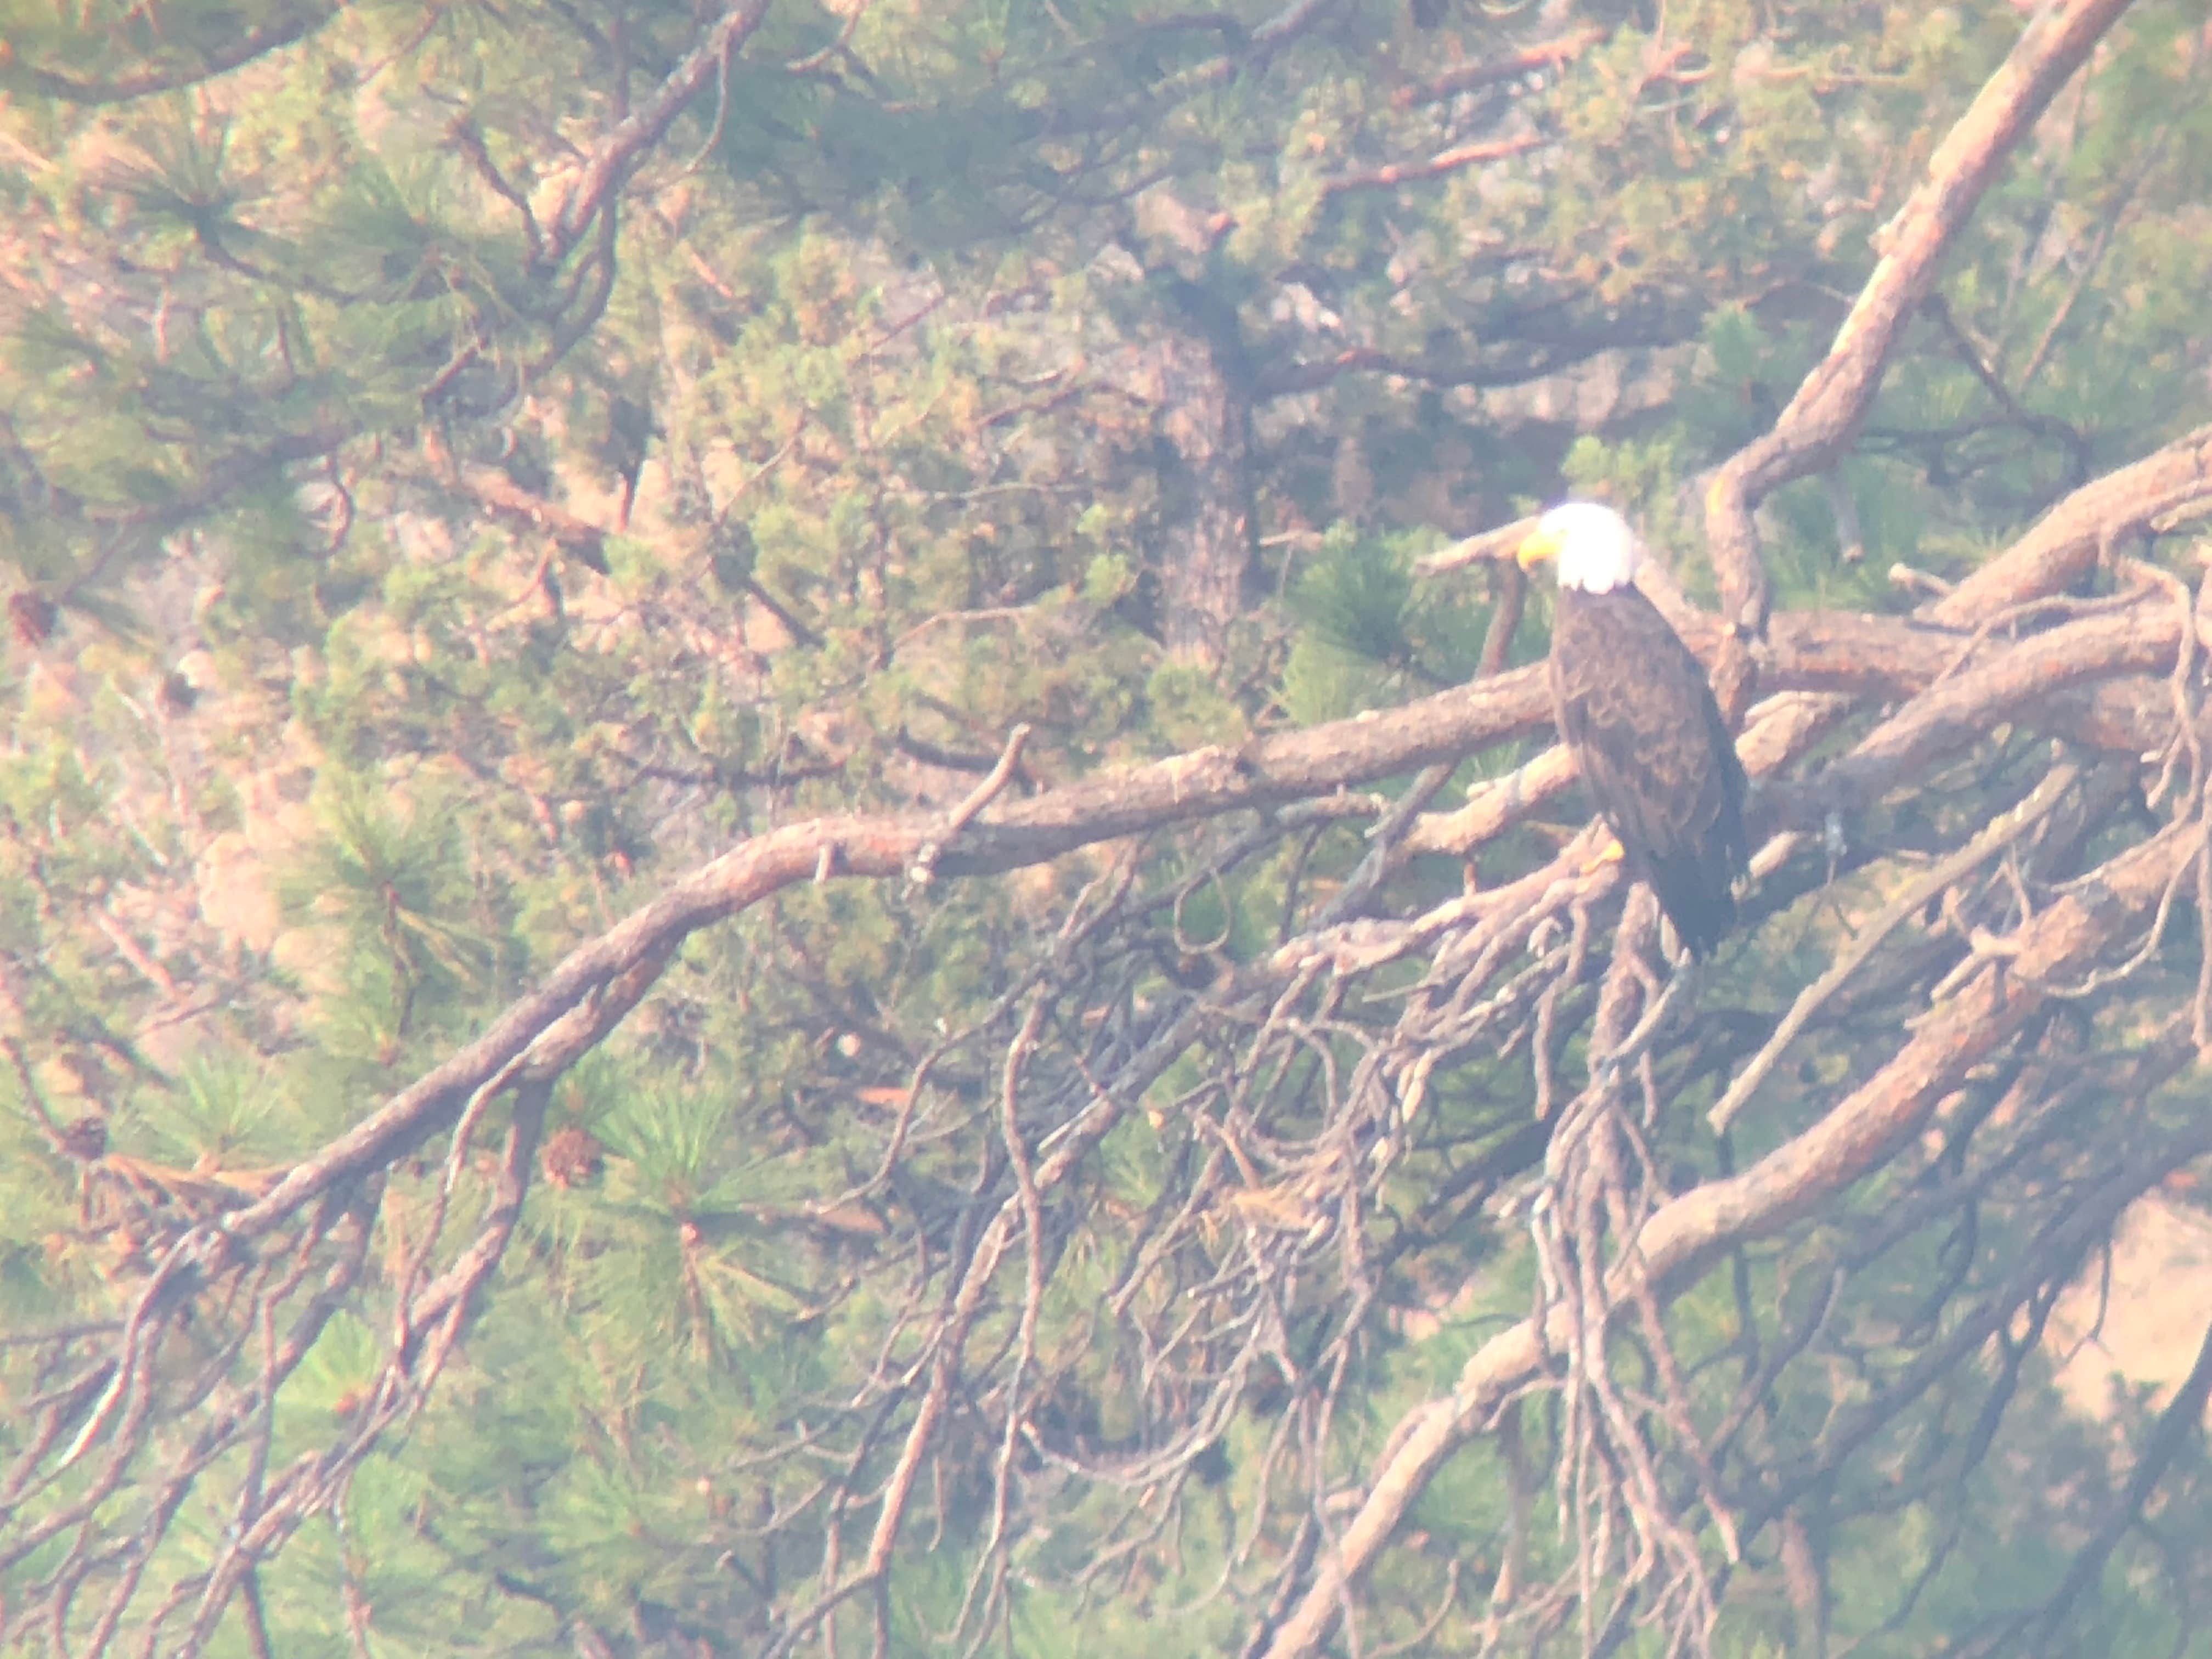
<point>1635,707</point>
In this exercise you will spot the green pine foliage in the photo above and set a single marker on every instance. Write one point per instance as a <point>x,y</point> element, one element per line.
<point>401,600</point>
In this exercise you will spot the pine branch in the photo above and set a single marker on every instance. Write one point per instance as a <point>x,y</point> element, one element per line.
<point>1818,420</point>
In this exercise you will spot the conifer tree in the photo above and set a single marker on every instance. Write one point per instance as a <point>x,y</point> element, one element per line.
<point>751,902</point>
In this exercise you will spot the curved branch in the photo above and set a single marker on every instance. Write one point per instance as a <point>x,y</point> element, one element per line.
<point>1688,1234</point>
<point>2069,539</point>
<point>619,153</point>
<point>1828,406</point>
<point>280,32</point>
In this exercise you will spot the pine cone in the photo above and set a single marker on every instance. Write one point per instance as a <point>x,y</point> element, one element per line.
<point>87,1138</point>
<point>571,1157</point>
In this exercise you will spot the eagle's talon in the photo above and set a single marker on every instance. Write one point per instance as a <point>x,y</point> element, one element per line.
<point>1611,852</point>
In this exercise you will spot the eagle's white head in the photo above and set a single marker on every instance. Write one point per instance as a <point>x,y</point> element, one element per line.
<point>1596,550</point>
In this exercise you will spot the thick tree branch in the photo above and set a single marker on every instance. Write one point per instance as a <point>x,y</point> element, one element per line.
<point>1827,652</point>
<point>2068,541</point>
<point>1688,1234</point>
<point>1814,429</point>
<point>621,151</point>
<point>504,499</point>
<point>277,32</point>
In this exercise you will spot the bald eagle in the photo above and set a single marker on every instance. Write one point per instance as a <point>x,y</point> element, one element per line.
<point>1635,710</point>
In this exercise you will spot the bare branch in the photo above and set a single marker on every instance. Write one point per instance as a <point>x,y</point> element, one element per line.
<point>621,151</point>
<point>271,35</point>
<point>1813,430</point>
<point>2067,541</point>
<point>1435,167</point>
<point>1688,1234</point>
<point>2008,828</point>
<point>1489,71</point>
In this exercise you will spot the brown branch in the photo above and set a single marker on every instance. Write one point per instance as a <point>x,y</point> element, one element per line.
<point>2055,1256</point>
<point>279,31</point>
<point>1690,1233</point>
<point>2182,1418</point>
<point>1828,652</point>
<point>620,153</point>
<point>1970,353</point>
<point>1976,679</point>
<point>2068,540</point>
<point>1070,1145</point>
<point>924,864</point>
<point>2008,828</point>
<point>463,133</point>
<point>1436,166</point>
<point>1814,429</point>
<point>1270,771</point>
<point>1509,597</point>
<point>1545,54</point>
<point>586,303</point>
<point>503,498</point>
<point>2012,682</point>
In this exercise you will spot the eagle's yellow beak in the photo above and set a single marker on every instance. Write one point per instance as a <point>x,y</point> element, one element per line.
<point>1538,547</point>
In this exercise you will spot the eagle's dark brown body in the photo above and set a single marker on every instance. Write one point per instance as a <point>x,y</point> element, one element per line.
<point>1635,707</point>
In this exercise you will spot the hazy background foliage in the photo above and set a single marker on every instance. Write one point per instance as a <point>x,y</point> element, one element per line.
<point>405,585</point>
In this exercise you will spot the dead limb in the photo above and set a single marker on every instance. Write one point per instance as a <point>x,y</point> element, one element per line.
<point>619,152</point>
<point>1828,405</point>
<point>1685,1236</point>
<point>924,867</point>
<point>2009,827</point>
<point>2182,1419</point>
<point>2066,542</point>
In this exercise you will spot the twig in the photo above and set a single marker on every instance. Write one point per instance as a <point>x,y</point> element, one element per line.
<point>2182,1418</point>
<point>923,870</point>
<point>1969,352</point>
<point>1435,167</point>
<point>2008,828</point>
<point>1545,54</point>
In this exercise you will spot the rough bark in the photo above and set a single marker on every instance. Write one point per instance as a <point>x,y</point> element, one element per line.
<point>1820,420</point>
